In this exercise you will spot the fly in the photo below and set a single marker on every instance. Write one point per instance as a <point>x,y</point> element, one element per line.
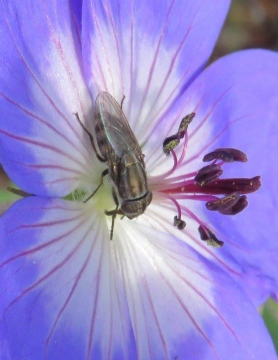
<point>120,150</point>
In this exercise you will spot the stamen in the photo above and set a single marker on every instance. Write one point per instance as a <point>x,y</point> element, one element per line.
<point>177,219</point>
<point>229,205</point>
<point>183,149</point>
<point>209,237</point>
<point>226,155</point>
<point>175,165</point>
<point>228,186</point>
<point>205,182</point>
<point>224,203</point>
<point>172,141</point>
<point>237,207</point>
<point>179,223</point>
<point>185,122</point>
<point>208,174</point>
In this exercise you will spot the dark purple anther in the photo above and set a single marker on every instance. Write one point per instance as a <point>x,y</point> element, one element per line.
<point>237,208</point>
<point>226,155</point>
<point>208,236</point>
<point>179,223</point>
<point>223,204</point>
<point>208,174</point>
<point>207,182</point>
<point>229,186</point>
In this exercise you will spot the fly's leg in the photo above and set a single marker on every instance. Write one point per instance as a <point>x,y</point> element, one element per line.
<point>100,158</point>
<point>104,173</point>
<point>113,213</point>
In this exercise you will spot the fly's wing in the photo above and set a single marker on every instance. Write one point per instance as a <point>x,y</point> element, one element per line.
<point>112,128</point>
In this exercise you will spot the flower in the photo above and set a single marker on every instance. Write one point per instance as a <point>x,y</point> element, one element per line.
<point>154,291</point>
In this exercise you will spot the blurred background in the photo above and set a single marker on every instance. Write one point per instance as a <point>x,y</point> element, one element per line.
<point>250,24</point>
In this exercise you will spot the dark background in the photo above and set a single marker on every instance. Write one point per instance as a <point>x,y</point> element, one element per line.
<point>250,24</point>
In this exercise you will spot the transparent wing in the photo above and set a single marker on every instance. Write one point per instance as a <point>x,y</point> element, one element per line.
<point>112,126</point>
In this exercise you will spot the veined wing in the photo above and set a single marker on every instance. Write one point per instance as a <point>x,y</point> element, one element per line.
<point>112,126</point>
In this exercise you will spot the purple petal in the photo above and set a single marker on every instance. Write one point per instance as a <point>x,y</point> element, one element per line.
<point>182,304</point>
<point>41,86</point>
<point>82,296</point>
<point>148,51</point>
<point>60,295</point>
<point>236,104</point>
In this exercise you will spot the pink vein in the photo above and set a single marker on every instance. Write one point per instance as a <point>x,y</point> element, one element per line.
<point>122,318</point>
<point>190,316</point>
<point>104,48</point>
<point>47,275</point>
<point>73,288</point>
<point>160,248</point>
<point>117,44</point>
<point>47,166</point>
<point>145,283</point>
<point>63,58</point>
<point>155,58</point>
<point>52,103</point>
<point>95,304</point>
<point>46,244</point>
<point>162,222</point>
<point>131,68</point>
<point>134,309</point>
<point>33,142</point>
<point>44,122</point>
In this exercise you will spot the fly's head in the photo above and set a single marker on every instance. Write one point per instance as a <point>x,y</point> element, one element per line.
<point>134,208</point>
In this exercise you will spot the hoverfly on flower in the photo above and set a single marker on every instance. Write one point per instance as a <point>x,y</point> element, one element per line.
<point>121,152</point>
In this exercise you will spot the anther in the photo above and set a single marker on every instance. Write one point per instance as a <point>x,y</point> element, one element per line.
<point>223,203</point>
<point>237,207</point>
<point>229,186</point>
<point>209,237</point>
<point>208,174</point>
<point>185,122</point>
<point>207,182</point>
<point>226,155</point>
<point>179,223</point>
<point>172,141</point>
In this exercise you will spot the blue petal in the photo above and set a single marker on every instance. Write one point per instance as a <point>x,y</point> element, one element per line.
<point>41,86</point>
<point>236,101</point>
<point>60,297</point>
<point>147,50</point>
<point>182,304</point>
<point>69,293</point>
